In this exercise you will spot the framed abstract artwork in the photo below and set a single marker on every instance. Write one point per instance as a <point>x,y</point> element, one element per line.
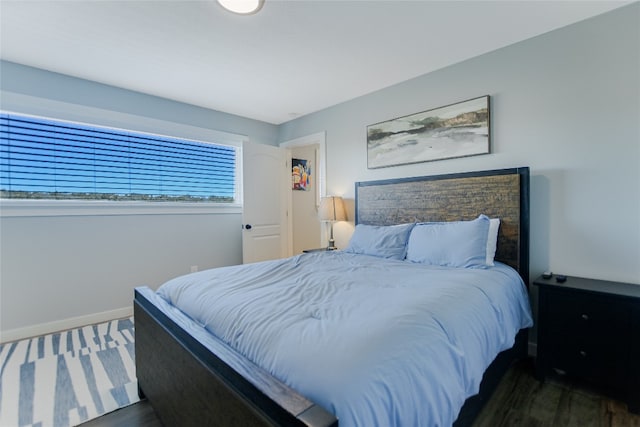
<point>300,174</point>
<point>456,130</point>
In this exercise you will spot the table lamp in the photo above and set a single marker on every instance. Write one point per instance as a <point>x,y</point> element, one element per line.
<point>331,210</point>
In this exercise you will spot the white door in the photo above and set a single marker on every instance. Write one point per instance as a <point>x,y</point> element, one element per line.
<point>266,178</point>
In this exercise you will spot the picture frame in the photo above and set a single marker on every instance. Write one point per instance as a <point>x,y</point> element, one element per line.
<point>456,130</point>
<point>300,174</point>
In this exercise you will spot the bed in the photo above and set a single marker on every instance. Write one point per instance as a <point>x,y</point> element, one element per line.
<point>323,350</point>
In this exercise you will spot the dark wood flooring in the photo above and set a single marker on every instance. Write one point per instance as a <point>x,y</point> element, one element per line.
<point>137,415</point>
<point>519,400</point>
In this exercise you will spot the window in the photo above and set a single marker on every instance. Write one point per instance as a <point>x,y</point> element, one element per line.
<point>49,159</point>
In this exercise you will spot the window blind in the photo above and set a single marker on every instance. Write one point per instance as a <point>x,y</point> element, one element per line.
<point>48,159</point>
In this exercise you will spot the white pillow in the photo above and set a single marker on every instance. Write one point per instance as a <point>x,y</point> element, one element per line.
<point>492,240</point>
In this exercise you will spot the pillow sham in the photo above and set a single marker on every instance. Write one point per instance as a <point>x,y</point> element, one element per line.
<point>492,240</point>
<point>388,241</point>
<point>450,244</point>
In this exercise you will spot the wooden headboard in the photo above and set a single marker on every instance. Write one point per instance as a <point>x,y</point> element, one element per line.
<point>502,193</point>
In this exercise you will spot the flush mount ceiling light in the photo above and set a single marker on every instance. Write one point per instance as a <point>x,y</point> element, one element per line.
<point>242,7</point>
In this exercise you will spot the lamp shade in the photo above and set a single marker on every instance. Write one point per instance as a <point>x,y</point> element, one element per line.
<point>332,209</point>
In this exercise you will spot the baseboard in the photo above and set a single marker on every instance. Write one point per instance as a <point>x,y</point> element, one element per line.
<point>61,325</point>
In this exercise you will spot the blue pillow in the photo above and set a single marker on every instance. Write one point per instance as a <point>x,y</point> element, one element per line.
<point>450,244</point>
<point>388,241</point>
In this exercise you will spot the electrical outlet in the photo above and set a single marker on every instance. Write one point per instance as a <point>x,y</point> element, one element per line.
<point>194,268</point>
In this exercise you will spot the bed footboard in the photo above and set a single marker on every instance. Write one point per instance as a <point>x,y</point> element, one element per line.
<point>189,385</point>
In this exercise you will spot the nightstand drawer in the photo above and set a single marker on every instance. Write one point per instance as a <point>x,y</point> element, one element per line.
<point>582,314</point>
<point>601,361</point>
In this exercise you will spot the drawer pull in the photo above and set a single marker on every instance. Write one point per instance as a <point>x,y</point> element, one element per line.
<point>585,317</point>
<point>583,353</point>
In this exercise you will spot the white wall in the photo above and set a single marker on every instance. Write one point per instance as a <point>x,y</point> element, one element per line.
<point>566,104</point>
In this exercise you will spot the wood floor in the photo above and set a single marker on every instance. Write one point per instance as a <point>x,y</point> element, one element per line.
<point>520,400</point>
<point>137,415</point>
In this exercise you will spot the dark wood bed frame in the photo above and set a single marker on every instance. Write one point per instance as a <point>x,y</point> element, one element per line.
<point>190,385</point>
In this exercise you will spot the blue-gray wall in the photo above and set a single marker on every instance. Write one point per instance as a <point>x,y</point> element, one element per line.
<point>60,269</point>
<point>45,85</point>
<point>566,104</point>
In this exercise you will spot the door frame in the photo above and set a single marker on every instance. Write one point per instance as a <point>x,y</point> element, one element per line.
<point>319,139</point>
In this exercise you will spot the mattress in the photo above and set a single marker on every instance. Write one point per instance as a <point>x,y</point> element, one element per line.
<point>377,342</point>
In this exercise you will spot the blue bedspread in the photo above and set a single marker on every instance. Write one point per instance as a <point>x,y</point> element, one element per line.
<point>377,342</point>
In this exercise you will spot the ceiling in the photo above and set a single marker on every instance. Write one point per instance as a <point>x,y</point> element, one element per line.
<point>290,59</point>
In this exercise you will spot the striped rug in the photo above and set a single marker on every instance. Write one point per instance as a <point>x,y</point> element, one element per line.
<point>66,378</point>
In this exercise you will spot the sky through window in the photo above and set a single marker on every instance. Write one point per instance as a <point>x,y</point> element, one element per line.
<point>49,159</point>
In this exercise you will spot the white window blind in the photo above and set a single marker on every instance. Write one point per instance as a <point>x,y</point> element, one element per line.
<point>49,159</point>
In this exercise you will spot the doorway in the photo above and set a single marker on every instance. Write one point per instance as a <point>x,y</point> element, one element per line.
<point>307,153</point>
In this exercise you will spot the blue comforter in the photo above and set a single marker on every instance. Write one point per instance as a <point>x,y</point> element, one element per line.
<point>377,342</point>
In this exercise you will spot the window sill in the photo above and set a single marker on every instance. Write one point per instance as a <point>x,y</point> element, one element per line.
<point>34,208</point>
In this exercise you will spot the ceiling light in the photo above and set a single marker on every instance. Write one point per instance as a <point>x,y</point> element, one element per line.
<point>242,7</point>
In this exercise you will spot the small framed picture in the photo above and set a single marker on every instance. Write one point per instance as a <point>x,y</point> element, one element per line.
<point>300,174</point>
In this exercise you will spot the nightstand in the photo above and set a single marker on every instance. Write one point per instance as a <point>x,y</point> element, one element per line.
<point>590,330</point>
<point>309,251</point>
